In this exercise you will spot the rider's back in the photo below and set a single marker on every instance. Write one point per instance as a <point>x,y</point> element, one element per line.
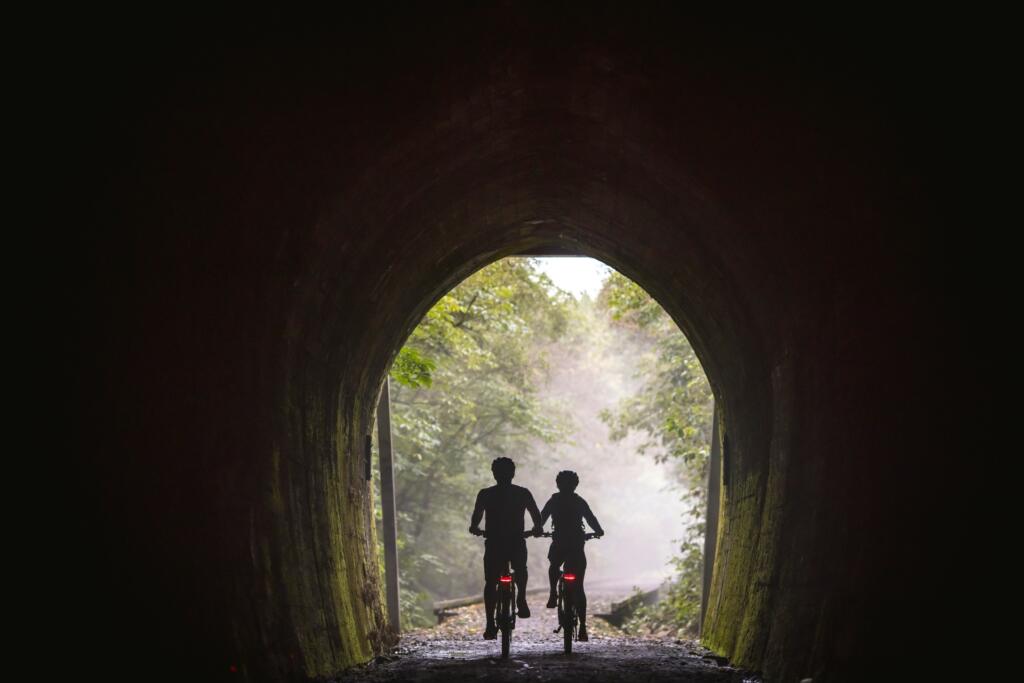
<point>567,511</point>
<point>504,506</point>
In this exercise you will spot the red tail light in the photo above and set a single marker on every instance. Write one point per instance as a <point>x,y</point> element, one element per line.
<point>570,577</point>
<point>506,579</point>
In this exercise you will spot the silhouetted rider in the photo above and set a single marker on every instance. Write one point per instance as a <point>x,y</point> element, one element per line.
<point>504,505</point>
<point>567,512</point>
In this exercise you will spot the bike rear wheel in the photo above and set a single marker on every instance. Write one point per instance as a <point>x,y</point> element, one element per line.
<point>568,614</point>
<point>505,625</point>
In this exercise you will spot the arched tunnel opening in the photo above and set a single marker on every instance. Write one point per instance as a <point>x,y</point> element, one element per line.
<point>273,217</point>
<point>559,363</point>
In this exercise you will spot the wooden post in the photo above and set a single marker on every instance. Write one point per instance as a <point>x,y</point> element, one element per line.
<point>714,491</point>
<point>370,521</point>
<point>387,500</point>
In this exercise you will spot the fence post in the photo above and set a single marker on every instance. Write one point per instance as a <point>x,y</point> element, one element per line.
<point>387,500</point>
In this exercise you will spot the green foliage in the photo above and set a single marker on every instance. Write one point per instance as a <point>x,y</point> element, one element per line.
<point>677,614</point>
<point>465,392</point>
<point>673,411</point>
<point>412,368</point>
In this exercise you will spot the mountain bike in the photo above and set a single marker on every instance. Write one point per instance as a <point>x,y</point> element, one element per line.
<point>568,619</point>
<point>505,608</point>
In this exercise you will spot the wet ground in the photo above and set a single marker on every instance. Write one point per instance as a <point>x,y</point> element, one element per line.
<point>456,651</point>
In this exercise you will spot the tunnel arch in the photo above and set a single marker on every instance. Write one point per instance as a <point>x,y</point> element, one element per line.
<point>270,229</point>
<point>653,222</point>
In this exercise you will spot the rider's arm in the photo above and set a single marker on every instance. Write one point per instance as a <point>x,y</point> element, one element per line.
<point>531,507</point>
<point>592,520</point>
<point>478,513</point>
<point>546,512</point>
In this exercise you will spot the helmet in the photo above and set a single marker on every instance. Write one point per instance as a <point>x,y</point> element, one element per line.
<point>567,481</point>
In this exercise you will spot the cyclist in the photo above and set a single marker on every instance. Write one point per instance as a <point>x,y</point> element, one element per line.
<point>567,511</point>
<point>504,505</point>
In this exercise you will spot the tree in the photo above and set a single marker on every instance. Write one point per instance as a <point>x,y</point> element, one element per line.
<point>674,411</point>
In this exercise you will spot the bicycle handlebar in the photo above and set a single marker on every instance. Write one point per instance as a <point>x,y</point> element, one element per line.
<point>544,534</point>
<point>586,537</point>
<point>483,532</point>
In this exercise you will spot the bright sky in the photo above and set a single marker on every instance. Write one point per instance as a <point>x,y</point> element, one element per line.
<point>575,274</point>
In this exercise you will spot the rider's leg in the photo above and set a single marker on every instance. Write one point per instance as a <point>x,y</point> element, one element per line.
<point>581,595</point>
<point>518,560</point>
<point>490,593</point>
<point>554,571</point>
<point>490,600</point>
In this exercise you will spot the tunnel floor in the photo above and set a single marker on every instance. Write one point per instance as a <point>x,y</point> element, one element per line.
<point>455,651</point>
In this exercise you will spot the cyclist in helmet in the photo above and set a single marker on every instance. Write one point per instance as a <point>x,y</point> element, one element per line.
<point>504,505</point>
<point>567,511</point>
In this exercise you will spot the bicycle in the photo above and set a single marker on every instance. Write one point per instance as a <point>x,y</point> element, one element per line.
<point>568,619</point>
<point>505,607</point>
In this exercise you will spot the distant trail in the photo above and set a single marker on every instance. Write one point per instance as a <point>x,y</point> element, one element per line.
<point>455,651</point>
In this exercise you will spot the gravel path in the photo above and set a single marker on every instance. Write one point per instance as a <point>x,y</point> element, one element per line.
<point>456,651</point>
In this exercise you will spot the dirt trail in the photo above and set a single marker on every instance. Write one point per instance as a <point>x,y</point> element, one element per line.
<point>456,651</point>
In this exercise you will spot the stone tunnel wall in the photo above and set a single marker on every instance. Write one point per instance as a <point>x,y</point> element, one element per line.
<point>275,214</point>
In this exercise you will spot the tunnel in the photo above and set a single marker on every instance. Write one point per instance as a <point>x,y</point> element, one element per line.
<point>275,208</point>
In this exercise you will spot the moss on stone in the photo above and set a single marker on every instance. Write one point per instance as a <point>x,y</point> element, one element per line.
<point>734,564</point>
